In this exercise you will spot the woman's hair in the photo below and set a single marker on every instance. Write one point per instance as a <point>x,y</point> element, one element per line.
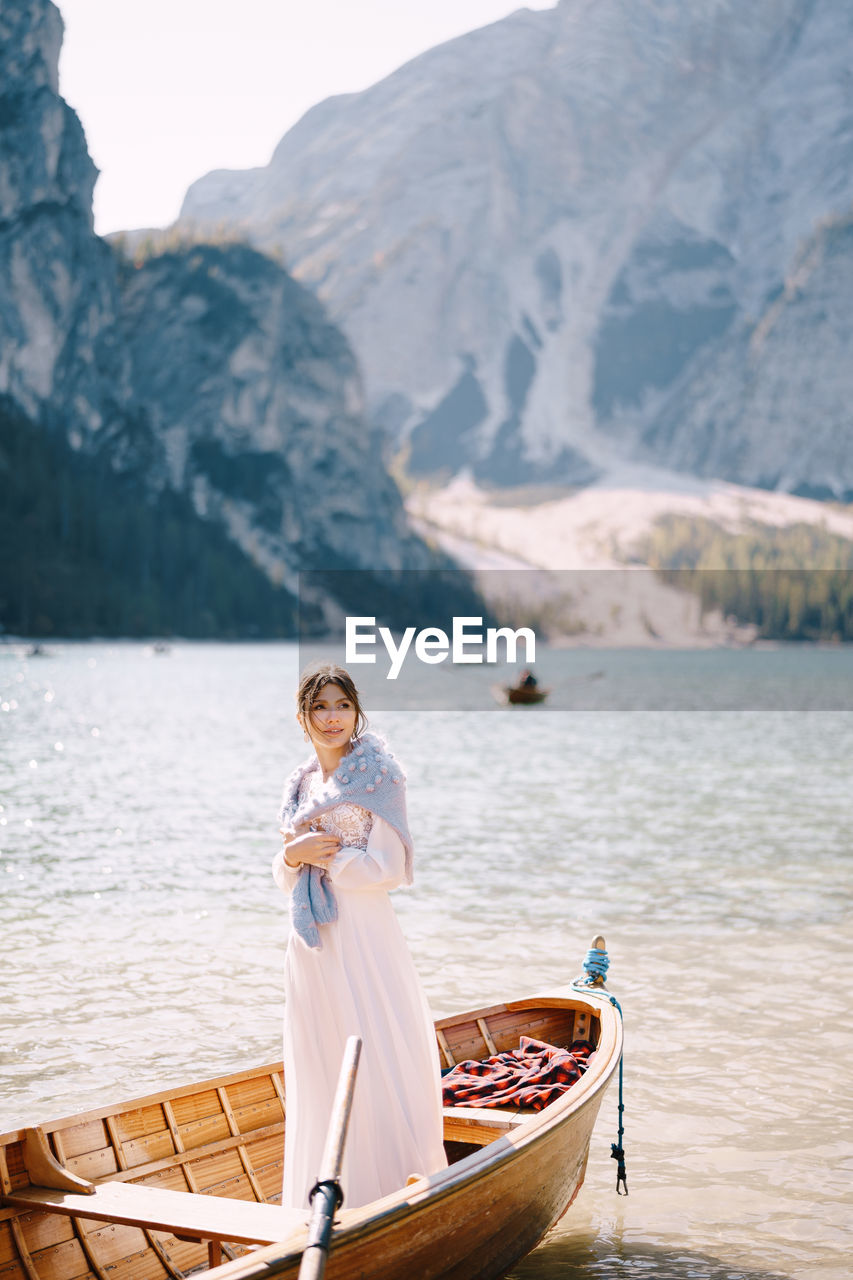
<point>314,678</point>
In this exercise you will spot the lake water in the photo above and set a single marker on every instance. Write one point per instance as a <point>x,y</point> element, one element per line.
<point>143,938</point>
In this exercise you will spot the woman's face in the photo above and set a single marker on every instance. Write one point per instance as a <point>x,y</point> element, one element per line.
<point>332,717</point>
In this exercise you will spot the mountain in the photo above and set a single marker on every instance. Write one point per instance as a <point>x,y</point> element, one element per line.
<point>59,295</point>
<point>788,373</point>
<point>255,400</point>
<point>588,235</point>
<point>199,398</point>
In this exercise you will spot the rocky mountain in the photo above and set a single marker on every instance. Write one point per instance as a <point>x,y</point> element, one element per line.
<point>600,232</point>
<point>58,351</point>
<point>255,399</point>
<point>206,381</point>
<point>789,373</point>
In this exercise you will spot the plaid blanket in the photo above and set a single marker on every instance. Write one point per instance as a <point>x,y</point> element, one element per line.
<point>532,1075</point>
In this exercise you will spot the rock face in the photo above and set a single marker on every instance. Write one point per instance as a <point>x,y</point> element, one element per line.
<point>575,235</point>
<point>207,371</point>
<point>788,373</point>
<point>256,401</point>
<point>59,297</point>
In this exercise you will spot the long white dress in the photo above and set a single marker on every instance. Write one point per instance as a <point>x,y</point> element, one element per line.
<point>361,982</point>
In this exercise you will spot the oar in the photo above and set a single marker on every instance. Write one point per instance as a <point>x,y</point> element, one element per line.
<point>326,1196</point>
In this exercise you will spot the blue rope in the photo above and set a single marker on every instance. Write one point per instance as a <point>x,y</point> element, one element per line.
<point>596,963</point>
<point>617,1150</point>
<point>595,966</point>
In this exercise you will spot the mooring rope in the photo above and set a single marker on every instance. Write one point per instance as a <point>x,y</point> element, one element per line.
<point>595,965</point>
<point>617,1149</point>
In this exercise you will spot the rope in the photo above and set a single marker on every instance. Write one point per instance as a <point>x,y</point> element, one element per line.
<point>617,1150</point>
<point>596,964</point>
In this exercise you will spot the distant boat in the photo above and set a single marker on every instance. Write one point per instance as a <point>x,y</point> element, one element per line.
<point>519,695</point>
<point>194,1173</point>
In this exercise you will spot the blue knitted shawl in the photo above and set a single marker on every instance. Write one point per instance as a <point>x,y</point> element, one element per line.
<point>368,776</point>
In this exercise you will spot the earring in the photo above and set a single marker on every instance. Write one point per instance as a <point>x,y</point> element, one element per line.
<point>305,735</point>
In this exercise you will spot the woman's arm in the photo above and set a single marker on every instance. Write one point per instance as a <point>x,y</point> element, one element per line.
<point>382,865</point>
<point>301,845</point>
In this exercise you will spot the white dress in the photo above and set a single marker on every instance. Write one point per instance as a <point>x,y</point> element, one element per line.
<point>361,982</point>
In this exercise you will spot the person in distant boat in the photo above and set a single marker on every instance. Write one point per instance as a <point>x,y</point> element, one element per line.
<point>348,970</point>
<point>527,680</point>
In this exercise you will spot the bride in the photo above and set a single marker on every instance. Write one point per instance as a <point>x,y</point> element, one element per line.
<point>348,970</point>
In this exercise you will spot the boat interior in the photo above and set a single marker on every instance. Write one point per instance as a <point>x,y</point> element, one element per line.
<point>103,1195</point>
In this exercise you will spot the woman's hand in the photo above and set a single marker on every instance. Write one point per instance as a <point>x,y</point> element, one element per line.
<point>304,845</point>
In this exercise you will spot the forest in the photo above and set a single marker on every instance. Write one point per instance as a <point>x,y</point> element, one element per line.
<point>87,551</point>
<point>791,582</point>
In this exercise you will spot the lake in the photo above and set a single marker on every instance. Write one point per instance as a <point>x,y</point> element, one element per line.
<point>706,836</point>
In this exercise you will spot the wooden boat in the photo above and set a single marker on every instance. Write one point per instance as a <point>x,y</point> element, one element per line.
<point>525,695</point>
<point>162,1186</point>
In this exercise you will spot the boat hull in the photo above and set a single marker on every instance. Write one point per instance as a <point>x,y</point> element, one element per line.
<point>526,697</point>
<point>481,1228</point>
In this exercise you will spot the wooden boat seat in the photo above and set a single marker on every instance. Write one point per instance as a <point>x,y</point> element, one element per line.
<point>202,1217</point>
<point>55,1189</point>
<point>481,1125</point>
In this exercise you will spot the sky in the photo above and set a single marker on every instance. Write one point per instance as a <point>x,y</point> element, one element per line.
<point>169,89</point>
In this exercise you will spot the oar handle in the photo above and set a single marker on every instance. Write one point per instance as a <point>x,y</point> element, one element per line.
<point>326,1194</point>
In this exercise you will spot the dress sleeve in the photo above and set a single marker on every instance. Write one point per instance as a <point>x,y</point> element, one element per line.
<point>284,876</point>
<point>382,865</point>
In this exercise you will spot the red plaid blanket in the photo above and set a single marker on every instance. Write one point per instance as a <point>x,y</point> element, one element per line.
<point>530,1076</point>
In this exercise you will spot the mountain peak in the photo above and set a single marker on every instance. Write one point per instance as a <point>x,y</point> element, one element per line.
<point>541,236</point>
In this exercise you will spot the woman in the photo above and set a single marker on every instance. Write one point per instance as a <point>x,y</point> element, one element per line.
<point>348,970</point>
